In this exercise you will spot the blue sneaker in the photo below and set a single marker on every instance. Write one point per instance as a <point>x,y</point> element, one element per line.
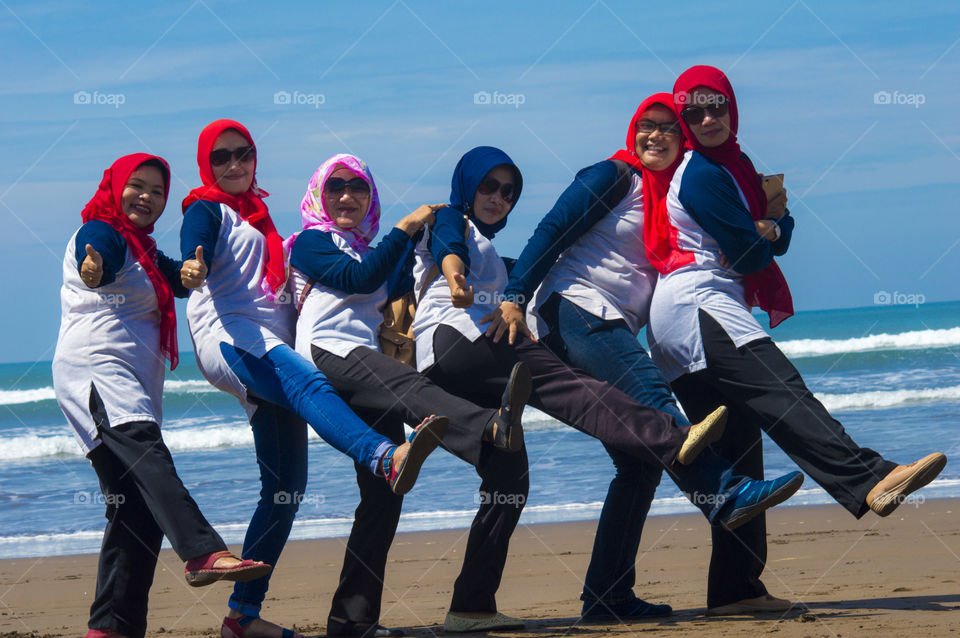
<point>754,497</point>
<point>636,609</point>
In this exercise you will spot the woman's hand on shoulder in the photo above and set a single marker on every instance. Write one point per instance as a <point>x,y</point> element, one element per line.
<point>194,271</point>
<point>424,216</point>
<point>91,270</point>
<point>507,318</point>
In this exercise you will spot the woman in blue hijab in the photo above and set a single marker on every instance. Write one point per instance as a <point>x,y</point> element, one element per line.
<point>454,352</point>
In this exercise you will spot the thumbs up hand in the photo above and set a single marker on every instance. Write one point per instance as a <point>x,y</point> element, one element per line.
<point>194,271</point>
<point>91,270</point>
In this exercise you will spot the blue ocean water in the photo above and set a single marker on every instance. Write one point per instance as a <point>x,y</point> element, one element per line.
<point>891,375</point>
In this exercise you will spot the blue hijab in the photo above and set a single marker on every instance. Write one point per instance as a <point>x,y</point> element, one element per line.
<point>470,171</point>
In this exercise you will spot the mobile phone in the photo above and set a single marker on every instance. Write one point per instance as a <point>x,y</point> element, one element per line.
<point>772,184</point>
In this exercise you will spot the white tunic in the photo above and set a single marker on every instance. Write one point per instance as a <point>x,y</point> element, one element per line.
<point>231,308</point>
<point>605,271</point>
<point>488,276</point>
<point>676,345</point>
<point>109,337</point>
<point>334,320</point>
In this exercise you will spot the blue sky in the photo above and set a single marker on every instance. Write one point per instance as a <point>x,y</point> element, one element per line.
<point>873,185</point>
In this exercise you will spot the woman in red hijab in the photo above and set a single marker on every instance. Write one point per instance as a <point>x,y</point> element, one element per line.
<point>242,319</point>
<point>117,331</point>
<point>589,281</point>
<point>719,239</point>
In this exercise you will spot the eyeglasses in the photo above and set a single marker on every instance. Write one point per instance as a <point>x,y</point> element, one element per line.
<point>223,156</point>
<point>490,185</point>
<point>665,128</point>
<point>336,185</point>
<point>693,115</point>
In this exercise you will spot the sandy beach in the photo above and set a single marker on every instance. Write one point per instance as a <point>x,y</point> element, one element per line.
<point>893,576</point>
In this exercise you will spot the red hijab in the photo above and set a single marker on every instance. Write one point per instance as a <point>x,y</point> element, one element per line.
<point>766,288</point>
<point>659,236</point>
<point>250,204</point>
<point>107,207</point>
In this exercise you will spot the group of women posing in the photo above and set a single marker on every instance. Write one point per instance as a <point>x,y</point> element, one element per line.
<point>674,232</point>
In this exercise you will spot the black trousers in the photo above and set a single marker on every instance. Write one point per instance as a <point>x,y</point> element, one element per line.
<point>386,393</point>
<point>145,501</point>
<point>478,371</point>
<point>764,391</point>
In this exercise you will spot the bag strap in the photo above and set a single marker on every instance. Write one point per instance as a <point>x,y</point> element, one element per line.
<point>619,189</point>
<point>303,294</point>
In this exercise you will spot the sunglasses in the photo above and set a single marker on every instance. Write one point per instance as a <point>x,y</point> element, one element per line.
<point>337,185</point>
<point>490,185</point>
<point>693,115</point>
<point>223,156</point>
<point>665,128</point>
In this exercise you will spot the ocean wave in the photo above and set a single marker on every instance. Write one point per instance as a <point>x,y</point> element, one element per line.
<point>192,434</point>
<point>54,543</point>
<point>918,339</point>
<point>16,397</point>
<point>31,446</point>
<point>882,399</point>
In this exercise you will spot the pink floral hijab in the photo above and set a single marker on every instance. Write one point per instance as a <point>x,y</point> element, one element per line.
<point>314,215</point>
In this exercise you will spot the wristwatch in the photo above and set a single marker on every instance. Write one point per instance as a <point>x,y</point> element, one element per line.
<point>776,230</point>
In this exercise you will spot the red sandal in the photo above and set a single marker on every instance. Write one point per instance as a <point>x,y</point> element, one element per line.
<point>200,571</point>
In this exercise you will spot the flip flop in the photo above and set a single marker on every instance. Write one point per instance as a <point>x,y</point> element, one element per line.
<point>200,571</point>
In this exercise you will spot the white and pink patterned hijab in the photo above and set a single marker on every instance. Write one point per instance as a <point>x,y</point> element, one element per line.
<point>314,216</point>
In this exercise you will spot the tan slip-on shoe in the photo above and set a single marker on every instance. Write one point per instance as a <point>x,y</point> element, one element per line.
<point>703,434</point>
<point>903,480</point>
<point>458,623</point>
<point>760,604</point>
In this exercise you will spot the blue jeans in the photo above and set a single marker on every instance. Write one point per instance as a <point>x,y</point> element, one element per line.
<point>607,350</point>
<point>286,379</point>
<point>289,390</point>
<point>280,440</point>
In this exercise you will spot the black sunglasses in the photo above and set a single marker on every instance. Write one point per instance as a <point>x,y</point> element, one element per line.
<point>338,185</point>
<point>693,115</point>
<point>223,156</point>
<point>665,128</point>
<point>490,185</point>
